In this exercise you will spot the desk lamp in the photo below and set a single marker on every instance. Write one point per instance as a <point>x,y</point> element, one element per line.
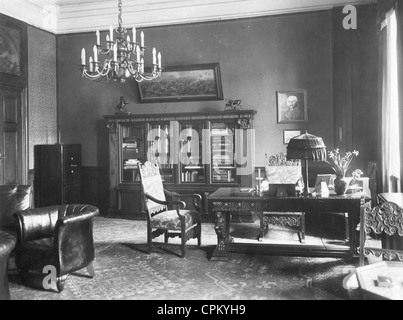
<point>306,147</point>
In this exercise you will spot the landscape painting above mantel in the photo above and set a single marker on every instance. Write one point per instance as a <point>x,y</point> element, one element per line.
<point>183,83</point>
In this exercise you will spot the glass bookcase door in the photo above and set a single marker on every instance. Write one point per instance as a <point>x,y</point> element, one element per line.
<point>132,151</point>
<point>159,148</point>
<point>192,169</point>
<point>222,152</point>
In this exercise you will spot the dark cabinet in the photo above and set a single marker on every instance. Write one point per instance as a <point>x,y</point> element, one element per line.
<point>57,174</point>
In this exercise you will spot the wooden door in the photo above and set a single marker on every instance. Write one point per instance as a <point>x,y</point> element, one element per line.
<point>13,162</point>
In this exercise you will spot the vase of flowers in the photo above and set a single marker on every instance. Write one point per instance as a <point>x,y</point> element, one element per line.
<point>340,165</point>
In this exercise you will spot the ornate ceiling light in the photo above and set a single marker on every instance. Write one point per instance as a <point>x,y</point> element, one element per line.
<point>124,57</point>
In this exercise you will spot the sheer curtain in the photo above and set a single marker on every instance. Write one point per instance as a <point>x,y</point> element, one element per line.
<point>390,105</point>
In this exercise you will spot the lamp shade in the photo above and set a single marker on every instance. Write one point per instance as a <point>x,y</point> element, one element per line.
<point>306,146</point>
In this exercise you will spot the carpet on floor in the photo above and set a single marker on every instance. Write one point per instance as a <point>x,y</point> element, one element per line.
<point>124,271</point>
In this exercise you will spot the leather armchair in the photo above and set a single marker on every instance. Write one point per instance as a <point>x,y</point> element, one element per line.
<point>59,236</point>
<point>13,198</point>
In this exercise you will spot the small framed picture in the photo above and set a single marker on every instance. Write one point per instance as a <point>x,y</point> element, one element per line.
<point>288,134</point>
<point>292,106</point>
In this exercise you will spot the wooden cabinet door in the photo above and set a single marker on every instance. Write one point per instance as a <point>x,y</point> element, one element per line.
<point>11,140</point>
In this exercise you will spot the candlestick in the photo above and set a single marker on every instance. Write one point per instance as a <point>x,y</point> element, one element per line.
<point>142,65</point>
<point>91,65</point>
<point>83,56</point>
<point>95,49</point>
<point>98,37</point>
<point>138,54</point>
<point>115,52</point>
<point>154,56</point>
<point>142,38</point>
<point>259,173</point>
<point>134,34</point>
<point>111,33</point>
<point>159,60</point>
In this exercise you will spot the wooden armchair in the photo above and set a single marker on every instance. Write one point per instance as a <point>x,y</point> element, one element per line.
<point>170,218</point>
<point>384,219</point>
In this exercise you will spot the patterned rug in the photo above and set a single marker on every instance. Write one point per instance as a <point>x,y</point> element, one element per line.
<point>125,272</point>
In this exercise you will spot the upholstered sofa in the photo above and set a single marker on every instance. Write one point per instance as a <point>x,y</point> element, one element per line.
<point>7,244</point>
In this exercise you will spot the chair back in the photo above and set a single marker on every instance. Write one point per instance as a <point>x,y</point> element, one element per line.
<point>384,219</point>
<point>151,183</point>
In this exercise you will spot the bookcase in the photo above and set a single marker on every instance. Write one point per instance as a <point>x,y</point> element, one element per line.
<point>197,152</point>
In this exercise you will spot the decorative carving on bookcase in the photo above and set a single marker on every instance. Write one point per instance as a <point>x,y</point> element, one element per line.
<point>245,123</point>
<point>112,126</point>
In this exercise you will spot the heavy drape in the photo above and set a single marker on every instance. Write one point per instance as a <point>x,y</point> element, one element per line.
<point>391,97</point>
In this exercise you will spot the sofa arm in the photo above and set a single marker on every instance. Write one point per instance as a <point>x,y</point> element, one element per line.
<point>74,239</point>
<point>38,223</point>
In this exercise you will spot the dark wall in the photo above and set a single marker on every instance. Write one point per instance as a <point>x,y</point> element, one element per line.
<point>355,86</point>
<point>257,57</point>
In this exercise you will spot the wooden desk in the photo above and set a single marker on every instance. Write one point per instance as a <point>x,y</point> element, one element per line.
<point>227,201</point>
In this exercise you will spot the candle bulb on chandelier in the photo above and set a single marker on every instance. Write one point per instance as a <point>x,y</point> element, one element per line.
<point>134,34</point>
<point>159,60</point>
<point>115,52</point>
<point>91,65</point>
<point>98,38</point>
<point>154,57</point>
<point>83,56</point>
<point>95,49</point>
<point>142,65</point>
<point>111,33</point>
<point>142,39</point>
<point>138,54</point>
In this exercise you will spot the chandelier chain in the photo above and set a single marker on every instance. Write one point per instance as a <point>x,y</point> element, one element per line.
<point>124,56</point>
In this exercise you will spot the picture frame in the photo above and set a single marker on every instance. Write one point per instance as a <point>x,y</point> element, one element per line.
<point>10,59</point>
<point>198,82</point>
<point>288,134</point>
<point>292,106</point>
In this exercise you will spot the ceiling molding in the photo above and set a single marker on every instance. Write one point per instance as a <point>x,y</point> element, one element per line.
<point>87,15</point>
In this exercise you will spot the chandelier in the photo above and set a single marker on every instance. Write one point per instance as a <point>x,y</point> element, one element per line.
<point>124,57</point>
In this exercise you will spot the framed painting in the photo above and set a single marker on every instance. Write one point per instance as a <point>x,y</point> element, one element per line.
<point>10,44</point>
<point>292,106</point>
<point>288,134</point>
<point>183,83</point>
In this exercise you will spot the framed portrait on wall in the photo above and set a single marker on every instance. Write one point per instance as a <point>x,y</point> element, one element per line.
<point>292,106</point>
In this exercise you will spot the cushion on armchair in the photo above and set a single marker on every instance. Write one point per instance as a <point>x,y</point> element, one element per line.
<point>169,220</point>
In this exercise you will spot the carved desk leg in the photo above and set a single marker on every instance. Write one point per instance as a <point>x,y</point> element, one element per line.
<point>264,225</point>
<point>221,252</point>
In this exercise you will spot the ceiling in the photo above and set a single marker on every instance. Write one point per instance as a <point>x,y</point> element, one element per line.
<point>72,16</point>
